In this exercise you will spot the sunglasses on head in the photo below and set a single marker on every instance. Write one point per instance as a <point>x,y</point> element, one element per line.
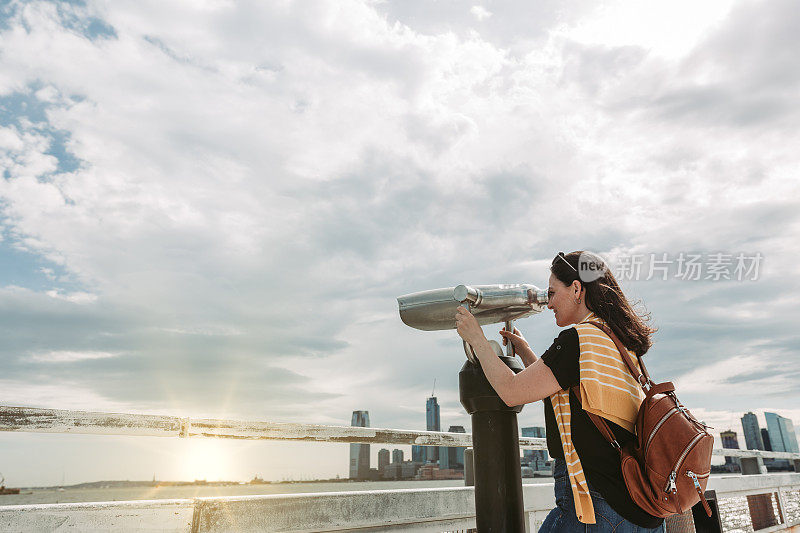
<point>563,258</point>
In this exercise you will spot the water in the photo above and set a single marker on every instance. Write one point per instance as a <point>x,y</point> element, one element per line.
<point>68,495</point>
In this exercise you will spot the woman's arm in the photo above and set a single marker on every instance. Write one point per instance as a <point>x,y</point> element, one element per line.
<point>528,360</point>
<point>532,384</point>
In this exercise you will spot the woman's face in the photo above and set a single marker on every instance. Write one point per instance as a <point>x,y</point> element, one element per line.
<point>562,301</point>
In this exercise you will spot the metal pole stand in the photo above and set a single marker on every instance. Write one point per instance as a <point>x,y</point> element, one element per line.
<point>495,440</point>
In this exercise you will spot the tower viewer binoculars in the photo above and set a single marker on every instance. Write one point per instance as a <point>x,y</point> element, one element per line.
<point>435,309</point>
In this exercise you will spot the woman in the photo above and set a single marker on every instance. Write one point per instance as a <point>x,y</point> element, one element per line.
<point>590,492</point>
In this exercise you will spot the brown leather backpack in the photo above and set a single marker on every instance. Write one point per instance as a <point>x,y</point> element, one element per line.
<point>666,467</point>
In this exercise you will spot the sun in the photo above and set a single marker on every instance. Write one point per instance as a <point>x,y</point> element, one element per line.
<point>207,459</point>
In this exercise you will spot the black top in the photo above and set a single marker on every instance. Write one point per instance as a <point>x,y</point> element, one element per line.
<point>600,461</point>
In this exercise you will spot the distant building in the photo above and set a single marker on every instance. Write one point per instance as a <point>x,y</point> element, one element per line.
<point>781,436</point>
<point>401,470</point>
<point>765,439</point>
<point>776,429</point>
<point>359,453</point>
<point>397,456</point>
<point>417,453</point>
<point>383,459</point>
<point>452,457</point>
<point>791,437</point>
<point>536,459</point>
<point>431,471</point>
<point>730,442</point>
<point>752,433</point>
<point>432,423</point>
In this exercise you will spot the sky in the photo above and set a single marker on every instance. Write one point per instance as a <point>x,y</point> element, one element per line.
<point>209,208</point>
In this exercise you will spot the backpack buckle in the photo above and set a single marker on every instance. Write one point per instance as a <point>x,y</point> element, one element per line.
<point>644,382</point>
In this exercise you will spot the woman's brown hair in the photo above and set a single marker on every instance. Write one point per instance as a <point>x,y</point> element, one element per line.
<point>604,298</point>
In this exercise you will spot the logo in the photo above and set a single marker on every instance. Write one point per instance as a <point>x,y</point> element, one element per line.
<point>591,267</point>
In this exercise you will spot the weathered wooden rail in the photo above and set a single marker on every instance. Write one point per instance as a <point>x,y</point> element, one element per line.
<point>30,419</point>
<point>775,496</point>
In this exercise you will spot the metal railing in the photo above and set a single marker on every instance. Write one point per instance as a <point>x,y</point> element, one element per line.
<point>775,496</point>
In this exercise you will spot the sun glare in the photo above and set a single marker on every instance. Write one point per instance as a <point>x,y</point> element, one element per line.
<point>207,459</point>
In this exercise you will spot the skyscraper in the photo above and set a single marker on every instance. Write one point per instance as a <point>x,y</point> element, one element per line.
<point>383,459</point>
<point>359,453</point>
<point>752,433</point>
<point>781,436</point>
<point>452,456</point>
<point>776,430</point>
<point>417,453</point>
<point>791,437</point>
<point>431,453</point>
<point>730,441</point>
<point>397,456</point>
<point>765,440</point>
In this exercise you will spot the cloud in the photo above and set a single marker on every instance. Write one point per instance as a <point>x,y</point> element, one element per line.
<point>68,357</point>
<point>729,377</point>
<point>754,72</point>
<point>480,12</point>
<point>64,395</point>
<point>75,297</point>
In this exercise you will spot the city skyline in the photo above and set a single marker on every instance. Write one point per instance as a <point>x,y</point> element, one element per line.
<point>724,438</point>
<point>435,461</point>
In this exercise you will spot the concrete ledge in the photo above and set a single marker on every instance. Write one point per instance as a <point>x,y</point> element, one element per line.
<point>738,485</point>
<point>335,511</point>
<point>146,515</point>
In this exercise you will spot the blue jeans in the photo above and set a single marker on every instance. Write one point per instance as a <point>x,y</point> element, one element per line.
<point>563,517</point>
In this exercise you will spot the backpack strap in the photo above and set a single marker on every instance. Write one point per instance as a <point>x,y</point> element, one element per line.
<point>641,376</point>
<point>599,421</point>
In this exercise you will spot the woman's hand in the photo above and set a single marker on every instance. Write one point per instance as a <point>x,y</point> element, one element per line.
<point>468,327</point>
<point>516,338</point>
<point>521,346</point>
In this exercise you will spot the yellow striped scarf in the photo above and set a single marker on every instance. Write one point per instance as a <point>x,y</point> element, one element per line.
<point>608,390</point>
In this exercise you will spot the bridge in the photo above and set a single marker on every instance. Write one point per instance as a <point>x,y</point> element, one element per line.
<point>752,501</point>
